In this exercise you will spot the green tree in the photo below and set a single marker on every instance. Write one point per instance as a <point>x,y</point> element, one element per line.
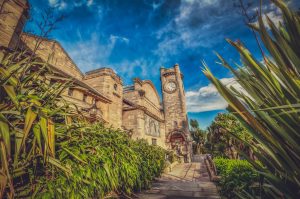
<point>198,135</point>
<point>225,133</point>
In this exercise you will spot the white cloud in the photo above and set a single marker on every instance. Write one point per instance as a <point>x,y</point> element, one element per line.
<point>52,2</point>
<point>154,4</point>
<point>134,68</point>
<point>273,12</point>
<point>198,24</point>
<point>274,16</point>
<point>115,38</point>
<point>91,53</point>
<point>203,2</point>
<point>207,97</point>
<point>64,4</point>
<point>96,52</point>
<point>89,2</point>
<point>61,5</point>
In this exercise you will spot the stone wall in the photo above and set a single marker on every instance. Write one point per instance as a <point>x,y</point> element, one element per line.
<point>144,116</point>
<point>108,83</point>
<point>52,52</point>
<point>13,16</point>
<point>174,103</point>
<point>174,106</point>
<point>76,97</point>
<point>137,121</point>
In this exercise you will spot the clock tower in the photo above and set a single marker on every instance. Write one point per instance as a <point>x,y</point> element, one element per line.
<point>174,105</point>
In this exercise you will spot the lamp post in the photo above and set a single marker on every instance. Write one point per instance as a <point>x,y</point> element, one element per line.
<point>93,110</point>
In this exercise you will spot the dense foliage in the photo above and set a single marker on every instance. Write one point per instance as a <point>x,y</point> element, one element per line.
<point>102,160</point>
<point>236,176</point>
<point>28,106</point>
<point>198,135</point>
<point>49,151</point>
<point>224,134</point>
<point>268,103</point>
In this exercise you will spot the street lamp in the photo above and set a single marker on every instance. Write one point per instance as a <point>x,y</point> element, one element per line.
<point>93,110</point>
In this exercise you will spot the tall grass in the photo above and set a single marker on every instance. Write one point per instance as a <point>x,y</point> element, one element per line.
<point>268,104</point>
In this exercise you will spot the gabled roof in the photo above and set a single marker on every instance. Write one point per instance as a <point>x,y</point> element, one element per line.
<point>56,42</point>
<point>63,73</point>
<point>82,84</point>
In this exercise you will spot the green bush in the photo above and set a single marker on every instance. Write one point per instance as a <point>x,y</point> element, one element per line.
<point>151,164</point>
<point>102,160</point>
<point>221,165</point>
<point>236,176</point>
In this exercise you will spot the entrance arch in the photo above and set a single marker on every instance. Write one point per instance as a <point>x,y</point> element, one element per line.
<point>178,142</point>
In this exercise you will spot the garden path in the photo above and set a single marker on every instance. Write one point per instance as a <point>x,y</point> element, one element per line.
<point>186,180</point>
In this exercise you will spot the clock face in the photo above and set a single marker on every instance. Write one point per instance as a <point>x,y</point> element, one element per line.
<point>170,87</point>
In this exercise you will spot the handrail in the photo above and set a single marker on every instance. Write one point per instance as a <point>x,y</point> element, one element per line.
<point>211,168</point>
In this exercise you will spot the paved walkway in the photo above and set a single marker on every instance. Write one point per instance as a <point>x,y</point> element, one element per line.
<point>187,180</point>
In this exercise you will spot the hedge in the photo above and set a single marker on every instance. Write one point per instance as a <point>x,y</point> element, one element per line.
<point>236,176</point>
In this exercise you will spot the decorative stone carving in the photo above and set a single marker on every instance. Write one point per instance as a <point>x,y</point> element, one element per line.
<point>152,126</point>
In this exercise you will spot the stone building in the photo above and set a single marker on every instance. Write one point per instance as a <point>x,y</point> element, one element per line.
<point>136,108</point>
<point>143,113</point>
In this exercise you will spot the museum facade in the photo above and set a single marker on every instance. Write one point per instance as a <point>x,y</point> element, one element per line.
<point>137,108</point>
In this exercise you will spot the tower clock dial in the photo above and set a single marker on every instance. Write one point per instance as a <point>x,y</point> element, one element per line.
<point>170,87</point>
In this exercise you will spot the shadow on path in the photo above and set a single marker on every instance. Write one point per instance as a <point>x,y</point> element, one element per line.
<point>186,180</point>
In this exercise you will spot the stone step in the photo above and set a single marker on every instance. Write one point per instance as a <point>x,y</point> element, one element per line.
<point>183,182</point>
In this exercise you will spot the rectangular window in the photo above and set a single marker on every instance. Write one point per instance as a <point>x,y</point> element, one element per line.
<point>154,141</point>
<point>84,97</point>
<point>70,92</point>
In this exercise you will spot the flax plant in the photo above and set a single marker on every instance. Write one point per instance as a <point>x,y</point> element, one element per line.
<point>28,107</point>
<point>269,103</point>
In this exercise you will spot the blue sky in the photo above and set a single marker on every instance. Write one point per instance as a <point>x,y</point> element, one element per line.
<point>137,37</point>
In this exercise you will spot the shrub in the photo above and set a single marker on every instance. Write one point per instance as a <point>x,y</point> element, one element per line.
<point>102,160</point>
<point>221,165</point>
<point>236,176</point>
<point>151,164</point>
